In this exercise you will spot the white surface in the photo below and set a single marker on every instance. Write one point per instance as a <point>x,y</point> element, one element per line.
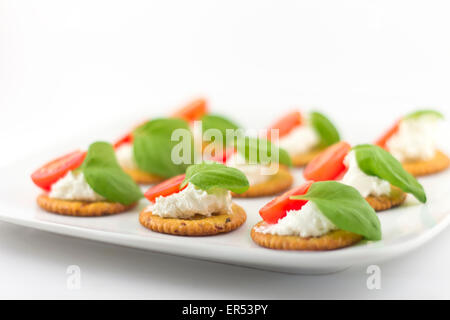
<point>61,62</point>
<point>404,229</point>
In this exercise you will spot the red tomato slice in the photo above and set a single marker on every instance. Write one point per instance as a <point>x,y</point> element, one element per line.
<point>52,171</point>
<point>286,123</point>
<point>341,175</point>
<point>226,154</point>
<point>387,135</point>
<point>328,164</point>
<point>192,111</point>
<point>165,188</point>
<point>128,138</point>
<point>277,208</point>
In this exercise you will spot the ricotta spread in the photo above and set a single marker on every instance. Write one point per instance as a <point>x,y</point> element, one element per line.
<point>73,186</point>
<point>306,222</point>
<point>255,173</point>
<point>365,184</point>
<point>300,140</point>
<point>415,139</point>
<point>191,201</point>
<point>125,156</point>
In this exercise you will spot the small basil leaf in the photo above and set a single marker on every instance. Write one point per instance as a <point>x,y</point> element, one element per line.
<point>421,113</point>
<point>207,176</point>
<point>325,129</point>
<point>104,175</point>
<point>211,121</point>
<point>376,161</point>
<point>344,207</point>
<point>153,146</point>
<point>261,150</point>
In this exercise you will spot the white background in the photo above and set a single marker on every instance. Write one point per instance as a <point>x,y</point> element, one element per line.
<point>69,66</point>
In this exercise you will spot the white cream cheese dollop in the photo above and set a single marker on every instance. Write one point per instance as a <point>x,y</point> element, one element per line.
<point>125,156</point>
<point>365,184</point>
<point>415,139</point>
<point>73,186</point>
<point>255,173</point>
<point>300,140</point>
<point>306,222</point>
<point>192,201</point>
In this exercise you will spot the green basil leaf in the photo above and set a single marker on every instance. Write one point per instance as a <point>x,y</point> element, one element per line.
<point>207,176</point>
<point>376,161</point>
<point>344,207</point>
<point>153,147</point>
<point>421,113</point>
<point>325,129</point>
<point>104,175</point>
<point>212,121</point>
<point>260,150</point>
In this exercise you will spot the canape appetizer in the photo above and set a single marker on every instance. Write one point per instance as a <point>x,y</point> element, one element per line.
<point>316,216</point>
<point>145,154</point>
<point>197,203</point>
<point>86,184</point>
<point>265,176</point>
<point>371,170</point>
<point>304,136</point>
<point>412,141</point>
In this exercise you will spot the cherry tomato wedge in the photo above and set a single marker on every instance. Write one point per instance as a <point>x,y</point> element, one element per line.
<point>226,154</point>
<point>52,171</point>
<point>277,208</point>
<point>165,188</point>
<point>328,164</point>
<point>381,142</point>
<point>286,123</point>
<point>128,138</point>
<point>341,175</point>
<point>192,111</point>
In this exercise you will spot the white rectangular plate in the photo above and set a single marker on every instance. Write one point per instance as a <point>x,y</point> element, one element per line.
<point>404,228</point>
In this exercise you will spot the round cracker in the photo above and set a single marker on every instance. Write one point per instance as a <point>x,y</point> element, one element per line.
<point>197,226</point>
<point>384,202</point>
<point>81,208</point>
<point>143,177</point>
<point>301,160</point>
<point>332,240</point>
<point>439,163</point>
<point>279,182</point>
